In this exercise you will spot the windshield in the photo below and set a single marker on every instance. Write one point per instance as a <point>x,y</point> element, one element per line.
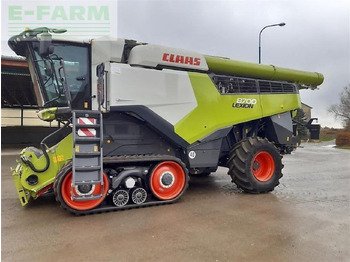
<point>76,64</point>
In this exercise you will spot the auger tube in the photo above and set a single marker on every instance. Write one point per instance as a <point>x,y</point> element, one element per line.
<point>269,72</point>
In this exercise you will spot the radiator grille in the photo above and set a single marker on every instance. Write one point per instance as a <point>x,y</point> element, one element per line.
<point>239,85</point>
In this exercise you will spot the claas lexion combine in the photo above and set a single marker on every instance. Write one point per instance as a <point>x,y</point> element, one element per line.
<point>138,119</point>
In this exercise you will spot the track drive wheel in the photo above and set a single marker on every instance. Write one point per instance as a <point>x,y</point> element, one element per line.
<point>255,165</point>
<point>168,180</point>
<point>63,191</point>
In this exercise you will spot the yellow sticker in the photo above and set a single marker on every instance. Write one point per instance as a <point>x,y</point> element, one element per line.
<point>77,149</point>
<point>60,158</point>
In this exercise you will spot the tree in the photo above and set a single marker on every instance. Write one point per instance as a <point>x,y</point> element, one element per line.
<point>342,110</point>
<point>300,120</point>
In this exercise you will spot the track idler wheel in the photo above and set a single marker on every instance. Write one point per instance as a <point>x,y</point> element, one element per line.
<point>168,180</point>
<point>63,191</point>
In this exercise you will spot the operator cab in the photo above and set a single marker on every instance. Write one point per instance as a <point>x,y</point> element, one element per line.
<point>54,64</point>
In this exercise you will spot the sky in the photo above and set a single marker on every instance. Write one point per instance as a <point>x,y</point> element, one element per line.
<point>316,36</point>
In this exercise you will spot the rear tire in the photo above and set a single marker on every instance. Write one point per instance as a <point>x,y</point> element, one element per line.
<point>255,165</point>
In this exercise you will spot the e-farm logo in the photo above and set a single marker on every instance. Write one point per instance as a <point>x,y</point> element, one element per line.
<point>60,13</point>
<point>81,18</point>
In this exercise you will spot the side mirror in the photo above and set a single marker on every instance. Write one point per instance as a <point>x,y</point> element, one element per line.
<point>46,48</point>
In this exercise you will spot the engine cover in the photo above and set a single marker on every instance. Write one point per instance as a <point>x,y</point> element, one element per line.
<point>154,55</point>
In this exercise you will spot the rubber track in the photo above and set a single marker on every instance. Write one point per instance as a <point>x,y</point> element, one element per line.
<point>123,160</point>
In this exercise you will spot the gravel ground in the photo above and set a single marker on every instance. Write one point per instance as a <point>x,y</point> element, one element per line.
<point>306,218</point>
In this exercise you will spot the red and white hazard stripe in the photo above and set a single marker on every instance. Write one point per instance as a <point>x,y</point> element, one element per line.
<point>86,131</point>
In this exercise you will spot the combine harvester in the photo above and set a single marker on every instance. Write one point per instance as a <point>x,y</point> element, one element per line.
<point>139,118</point>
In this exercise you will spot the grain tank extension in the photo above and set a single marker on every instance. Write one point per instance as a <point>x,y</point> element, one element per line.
<point>139,119</point>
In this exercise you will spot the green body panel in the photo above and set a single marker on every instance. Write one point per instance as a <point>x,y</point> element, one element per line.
<point>59,154</point>
<point>269,72</point>
<point>215,111</point>
<point>48,114</point>
<point>272,104</point>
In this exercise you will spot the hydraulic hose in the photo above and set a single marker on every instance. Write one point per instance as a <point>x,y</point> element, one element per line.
<point>43,148</point>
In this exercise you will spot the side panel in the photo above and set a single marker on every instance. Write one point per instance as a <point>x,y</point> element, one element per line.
<point>190,101</point>
<point>168,93</point>
<point>128,135</point>
<point>155,55</point>
<point>272,104</point>
<point>280,128</point>
<point>103,49</point>
<point>58,154</point>
<point>215,111</point>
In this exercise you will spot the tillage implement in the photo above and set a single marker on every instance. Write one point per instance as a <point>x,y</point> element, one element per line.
<point>138,119</point>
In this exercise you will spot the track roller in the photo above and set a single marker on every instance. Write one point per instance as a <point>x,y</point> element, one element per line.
<point>138,195</point>
<point>120,198</point>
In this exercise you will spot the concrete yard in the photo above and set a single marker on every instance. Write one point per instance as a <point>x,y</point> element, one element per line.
<point>306,218</point>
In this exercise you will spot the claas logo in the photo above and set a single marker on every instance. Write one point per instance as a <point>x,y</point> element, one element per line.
<point>180,59</point>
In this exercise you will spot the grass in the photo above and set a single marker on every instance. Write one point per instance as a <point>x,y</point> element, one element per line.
<point>326,139</point>
<point>343,147</point>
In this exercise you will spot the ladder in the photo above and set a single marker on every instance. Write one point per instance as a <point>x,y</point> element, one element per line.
<point>87,154</point>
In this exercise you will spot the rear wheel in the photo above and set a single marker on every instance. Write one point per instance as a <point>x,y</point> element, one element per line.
<point>63,191</point>
<point>255,165</point>
<point>168,180</point>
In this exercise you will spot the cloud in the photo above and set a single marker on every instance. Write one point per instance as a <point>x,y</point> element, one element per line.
<point>315,38</point>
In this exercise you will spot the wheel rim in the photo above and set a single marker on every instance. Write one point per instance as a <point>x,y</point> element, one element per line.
<point>263,166</point>
<point>66,192</point>
<point>167,180</point>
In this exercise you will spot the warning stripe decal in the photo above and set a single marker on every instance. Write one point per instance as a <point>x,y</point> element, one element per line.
<point>86,121</point>
<point>86,131</point>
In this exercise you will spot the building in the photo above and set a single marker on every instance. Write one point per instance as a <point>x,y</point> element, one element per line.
<point>19,123</point>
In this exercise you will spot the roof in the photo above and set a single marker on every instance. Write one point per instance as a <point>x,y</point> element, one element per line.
<point>13,61</point>
<point>16,84</point>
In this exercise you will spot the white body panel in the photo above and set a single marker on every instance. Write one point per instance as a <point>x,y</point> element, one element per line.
<point>107,49</point>
<point>154,55</point>
<point>104,49</point>
<point>168,93</point>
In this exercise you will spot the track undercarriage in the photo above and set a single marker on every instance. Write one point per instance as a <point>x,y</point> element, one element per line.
<point>129,182</point>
